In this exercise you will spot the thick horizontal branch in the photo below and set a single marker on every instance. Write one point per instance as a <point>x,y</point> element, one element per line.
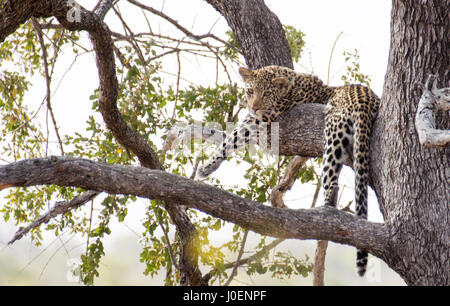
<point>318,223</point>
<point>301,132</point>
<point>185,134</point>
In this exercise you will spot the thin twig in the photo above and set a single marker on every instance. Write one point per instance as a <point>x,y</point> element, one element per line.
<point>331,56</point>
<point>194,170</point>
<point>178,86</point>
<point>38,29</point>
<point>236,266</point>
<point>244,261</point>
<point>169,246</point>
<point>91,213</point>
<point>316,192</point>
<point>132,40</point>
<point>180,27</point>
<point>58,209</point>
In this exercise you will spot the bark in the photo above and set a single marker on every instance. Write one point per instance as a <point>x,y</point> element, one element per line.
<point>318,223</point>
<point>14,13</point>
<point>288,180</point>
<point>412,182</point>
<point>59,208</point>
<point>319,263</point>
<point>433,99</point>
<point>300,132</point>
<point>257,30</point>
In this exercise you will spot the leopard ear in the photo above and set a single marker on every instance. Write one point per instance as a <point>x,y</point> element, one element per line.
<point>245,73</point>
<point>281,83</point>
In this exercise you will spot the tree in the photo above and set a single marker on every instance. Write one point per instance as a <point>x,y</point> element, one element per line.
<point>410,181</point>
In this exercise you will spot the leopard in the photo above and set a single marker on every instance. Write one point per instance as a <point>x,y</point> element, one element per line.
<point>350,112</point>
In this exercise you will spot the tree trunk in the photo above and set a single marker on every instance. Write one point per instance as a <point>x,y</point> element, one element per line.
<point>257,30</point>
<point>412,182</point>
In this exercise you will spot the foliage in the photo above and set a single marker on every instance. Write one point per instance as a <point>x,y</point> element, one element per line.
<point>353,69</point>
<point>282,265</point>
<point>295,40</point>
<point>293,35</point>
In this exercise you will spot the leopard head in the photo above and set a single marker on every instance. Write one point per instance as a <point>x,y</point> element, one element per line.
<point>264,88</point>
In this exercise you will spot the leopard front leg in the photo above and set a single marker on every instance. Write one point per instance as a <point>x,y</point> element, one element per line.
<point>240,137</point>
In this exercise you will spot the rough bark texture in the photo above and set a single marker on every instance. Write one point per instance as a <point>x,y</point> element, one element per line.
<point>412,182</point>
<point>300,132</point>
<point>433,100</point>
<point>318,223</point>
<point>14,13</point>
<point>257,30</point>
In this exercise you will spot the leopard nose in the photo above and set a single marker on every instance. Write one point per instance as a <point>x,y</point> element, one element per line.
<point>255,108</point>
<point>257,105</point>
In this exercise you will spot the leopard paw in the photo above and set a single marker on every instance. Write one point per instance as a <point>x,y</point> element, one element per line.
<point>210,167</point>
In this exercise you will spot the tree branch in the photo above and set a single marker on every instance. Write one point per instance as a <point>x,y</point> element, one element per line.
<point>236,263</point>
<point>14,13</point>
<point>319,262</point>
<point>48,80</point>
<point>266,46</point>
<point>185,134</point>
<point>102,8</point>
<point>322,223</point>
<point>180,27</point>
<point>301,132</point>
<point>243,261</point>
<point>432,100</point>
<point>75,18</point>
<point>59,208</point>
<point>276,198</point>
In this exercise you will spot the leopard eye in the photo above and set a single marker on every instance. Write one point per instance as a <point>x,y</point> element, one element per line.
<point>249,92</point>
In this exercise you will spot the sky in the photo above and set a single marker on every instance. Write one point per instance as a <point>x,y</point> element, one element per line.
<point>364,26</point>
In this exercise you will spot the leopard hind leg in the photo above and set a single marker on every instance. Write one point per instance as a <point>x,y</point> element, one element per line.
<point>338,144</point>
